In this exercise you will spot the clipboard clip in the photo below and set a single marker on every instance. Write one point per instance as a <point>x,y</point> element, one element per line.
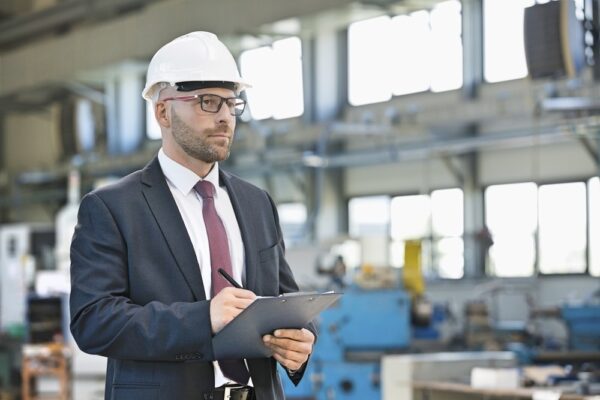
<point>283,299</point>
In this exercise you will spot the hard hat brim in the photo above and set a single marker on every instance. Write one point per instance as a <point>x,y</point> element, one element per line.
<point>189,86</point>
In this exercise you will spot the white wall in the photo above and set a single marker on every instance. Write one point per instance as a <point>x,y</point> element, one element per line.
<point>285,188</point>
<point>409,177</point>
<point>544,163</point>
<point>553,162</point>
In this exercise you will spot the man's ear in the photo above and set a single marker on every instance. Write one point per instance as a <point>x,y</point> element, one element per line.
<point>162,115</point>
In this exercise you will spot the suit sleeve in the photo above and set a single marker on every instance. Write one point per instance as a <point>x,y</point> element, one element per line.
<point>287,285</point>
<point>105,321</point>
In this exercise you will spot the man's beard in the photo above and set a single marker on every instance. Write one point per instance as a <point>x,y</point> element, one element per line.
<point>194,146</point>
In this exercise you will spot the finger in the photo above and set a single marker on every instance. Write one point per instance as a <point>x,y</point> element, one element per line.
<point>239,293</point>
<point>284,345</point>
<point>239,304</point>
<point>293,365</point>
<point>301,335</point>
<point>288,344</point>
<point>289,355</point>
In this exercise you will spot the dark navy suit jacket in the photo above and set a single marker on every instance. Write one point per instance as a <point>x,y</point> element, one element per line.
<point>137,294</point>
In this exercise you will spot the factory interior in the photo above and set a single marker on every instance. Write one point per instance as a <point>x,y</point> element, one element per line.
<point>436,161</point>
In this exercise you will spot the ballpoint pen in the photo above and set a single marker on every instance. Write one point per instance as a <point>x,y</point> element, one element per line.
<point>229,278</point>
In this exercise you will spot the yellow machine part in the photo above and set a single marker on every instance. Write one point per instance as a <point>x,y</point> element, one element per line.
<point>412,274</point>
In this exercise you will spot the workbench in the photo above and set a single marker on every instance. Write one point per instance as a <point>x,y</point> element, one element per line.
<point>424,390</point>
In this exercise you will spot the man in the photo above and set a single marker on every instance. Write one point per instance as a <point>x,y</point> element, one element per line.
<point>144,258</point>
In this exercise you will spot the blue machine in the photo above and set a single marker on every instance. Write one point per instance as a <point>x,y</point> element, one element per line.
<point>583,323</point>
<point>353,335</point>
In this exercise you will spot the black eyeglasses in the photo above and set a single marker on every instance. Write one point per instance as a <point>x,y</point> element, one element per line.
<point>212,103</point>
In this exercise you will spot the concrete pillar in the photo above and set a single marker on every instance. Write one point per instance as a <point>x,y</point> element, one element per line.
<point>472,38</point>
<point>332,207</point>
<point>125,108</point>
<point>475,248</point>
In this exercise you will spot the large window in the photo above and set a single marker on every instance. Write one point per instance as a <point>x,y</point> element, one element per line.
<point>423,51</point>
<point>437,221</point>
<point>275,73</point>
<point>446,46</point>
<point>447,228</point>
<point>546,229</point>
<point>411,220</point>
<point>292,218</point>
<point>511,217</point>
<point>503,42</point>
<point>594,223</point>
<point>369,221</point>
<point>369,215</point>
<point>541,229</point>
<point>368,66</point>
<point>562,228</point>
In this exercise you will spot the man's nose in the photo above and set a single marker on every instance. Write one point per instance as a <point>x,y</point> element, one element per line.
<point>224,115</point>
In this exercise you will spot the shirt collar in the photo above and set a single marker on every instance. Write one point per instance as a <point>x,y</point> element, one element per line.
<point>183,178</point>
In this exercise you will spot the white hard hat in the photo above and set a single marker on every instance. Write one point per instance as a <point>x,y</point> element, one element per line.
<point>195,57</point>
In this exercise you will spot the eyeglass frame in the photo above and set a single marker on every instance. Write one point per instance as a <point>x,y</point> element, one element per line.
<point>222,101</point>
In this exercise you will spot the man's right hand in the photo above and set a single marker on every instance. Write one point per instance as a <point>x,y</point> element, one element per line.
<point>227,304</point>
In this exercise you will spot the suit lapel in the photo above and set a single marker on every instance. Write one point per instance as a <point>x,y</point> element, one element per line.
<point>242,216</point>
<point>163,207</point>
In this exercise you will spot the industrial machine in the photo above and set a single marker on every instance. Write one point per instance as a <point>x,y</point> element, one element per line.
<point>581,319</point>
<point>23,249</point>
<point>353,336</point>
<point>583,324</point>
<point>382,312</point>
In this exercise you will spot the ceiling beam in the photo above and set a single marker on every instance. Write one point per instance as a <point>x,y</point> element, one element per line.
<point>58,18</point>
<point>136,36</point>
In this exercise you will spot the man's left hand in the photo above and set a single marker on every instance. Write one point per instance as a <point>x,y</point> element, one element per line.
<point>291,347</point>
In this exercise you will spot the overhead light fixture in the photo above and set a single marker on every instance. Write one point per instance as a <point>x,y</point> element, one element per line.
<point>312,160</point>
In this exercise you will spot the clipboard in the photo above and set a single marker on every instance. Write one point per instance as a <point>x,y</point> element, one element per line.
<point>242,337</point>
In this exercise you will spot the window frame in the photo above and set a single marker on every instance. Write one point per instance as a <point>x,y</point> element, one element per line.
<point>273,115</point>
<point>589,228</point>
<point>289,239</point>
<point>392,91</point>
<point>484,80</point>
<point>431,238</point>
<point>536,266</point>
<point>536,271</point>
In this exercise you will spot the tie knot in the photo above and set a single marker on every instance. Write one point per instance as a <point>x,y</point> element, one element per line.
<point>205,189</point>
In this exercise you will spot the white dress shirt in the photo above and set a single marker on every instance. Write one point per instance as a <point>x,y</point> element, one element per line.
<point>181,182</point>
